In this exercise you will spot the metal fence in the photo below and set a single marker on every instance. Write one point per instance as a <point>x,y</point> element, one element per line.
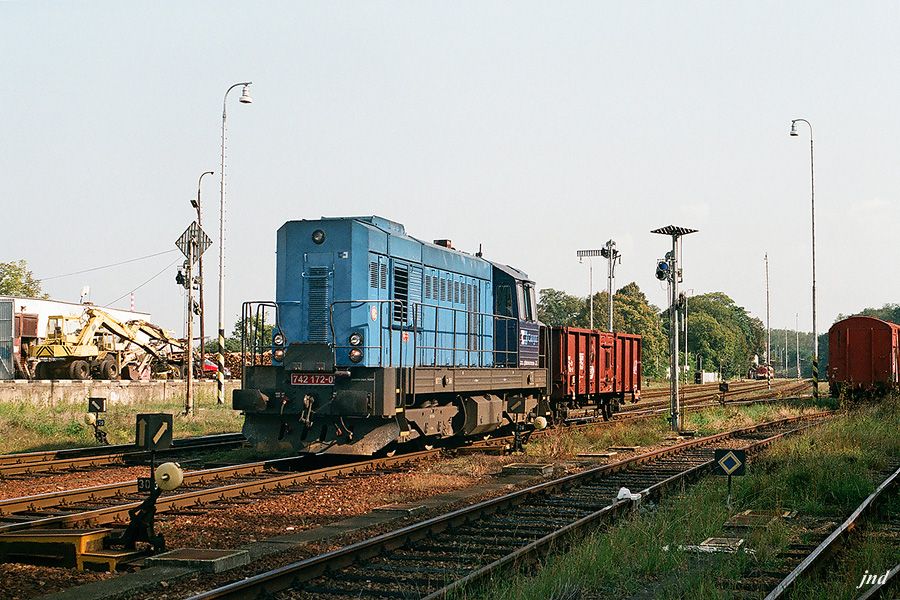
<point>7,369</point>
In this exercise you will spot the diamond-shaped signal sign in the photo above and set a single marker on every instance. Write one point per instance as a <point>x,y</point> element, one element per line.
<point>731,462</point>
<point>196,235</point>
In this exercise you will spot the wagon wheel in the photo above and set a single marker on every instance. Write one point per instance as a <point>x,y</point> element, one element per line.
<point>79,369</point>
<point>108,369</point>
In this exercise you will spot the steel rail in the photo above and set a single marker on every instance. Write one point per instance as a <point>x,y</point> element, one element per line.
<point>23,458</point>
<point>293,574</point>
<point>843,530</point>
<point>131,456</point>
<point>119,513</point>
<point>11,506</point>
<point>638,413</point>
<point>654,491</point>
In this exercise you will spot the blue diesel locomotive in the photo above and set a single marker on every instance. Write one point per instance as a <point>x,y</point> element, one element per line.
<point>379,338</point>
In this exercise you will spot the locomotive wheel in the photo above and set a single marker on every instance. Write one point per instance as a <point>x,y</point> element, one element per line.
<point>79,369</point>
<point>108,369</point>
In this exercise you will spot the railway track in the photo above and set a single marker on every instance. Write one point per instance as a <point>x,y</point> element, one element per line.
<point>110,503</point>
<point>458,549</point>
<point>58,461</point>
<point>826,551</point>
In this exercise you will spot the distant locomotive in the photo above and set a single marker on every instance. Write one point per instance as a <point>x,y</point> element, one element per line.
<point>863,356</point>
<point>380,339</point>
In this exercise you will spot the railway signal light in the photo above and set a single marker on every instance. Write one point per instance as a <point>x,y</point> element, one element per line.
<point>662,270</point>
<point>180,279</point>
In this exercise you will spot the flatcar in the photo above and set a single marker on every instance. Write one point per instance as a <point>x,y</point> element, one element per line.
<point>863,356</point>
<point>379,339</point>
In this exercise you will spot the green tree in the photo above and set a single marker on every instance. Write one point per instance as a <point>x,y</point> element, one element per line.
<point>721,332</point>
<point>888,312</point>
<point>262,339</point>
<point>557,308</point>
<point>632,313</point>
<point>17,280</point>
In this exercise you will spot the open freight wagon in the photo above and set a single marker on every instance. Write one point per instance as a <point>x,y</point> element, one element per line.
<point>591,368</point>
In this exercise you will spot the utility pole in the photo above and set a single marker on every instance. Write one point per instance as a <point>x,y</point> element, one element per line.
<point>189,346</point>
<point>797,332</point>
<point>611,255</point>
<point>785,353</point>
<point>668,269</point>
<point>768,329</point>
<point>589,254</point>
<point>192,243</point>
<point>196,204</point>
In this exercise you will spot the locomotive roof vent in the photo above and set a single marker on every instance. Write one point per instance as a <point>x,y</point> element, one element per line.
<point>444,243</point>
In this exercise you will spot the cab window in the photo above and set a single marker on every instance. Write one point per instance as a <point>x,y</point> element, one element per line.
<point>504,306</point>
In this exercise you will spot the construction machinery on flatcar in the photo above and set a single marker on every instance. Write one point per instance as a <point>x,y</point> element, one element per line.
<point>378,339</point>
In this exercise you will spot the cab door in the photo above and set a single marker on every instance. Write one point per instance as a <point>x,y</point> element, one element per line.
<point>529,331</point>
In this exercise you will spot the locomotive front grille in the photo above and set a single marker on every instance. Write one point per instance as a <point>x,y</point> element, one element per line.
<point>319,299</point>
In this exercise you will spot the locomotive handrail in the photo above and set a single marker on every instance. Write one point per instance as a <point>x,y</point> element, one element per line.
<point>254,345</point>
<point>381,327</point>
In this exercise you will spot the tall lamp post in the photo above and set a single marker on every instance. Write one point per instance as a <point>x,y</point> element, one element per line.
<point>582,254</point>
<point>812,187</point>
<point>220,358</point>
<point>196,204</point>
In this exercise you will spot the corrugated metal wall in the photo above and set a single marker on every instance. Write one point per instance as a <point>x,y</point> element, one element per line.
<point>7,371</point>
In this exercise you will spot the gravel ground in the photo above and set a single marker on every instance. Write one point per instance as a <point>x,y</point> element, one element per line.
<point>251,520</point>
<point>15,488</point>
<point>25,581</point>
<point>237,524</point>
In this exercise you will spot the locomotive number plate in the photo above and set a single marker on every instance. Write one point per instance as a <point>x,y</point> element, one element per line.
<point>311,379</point>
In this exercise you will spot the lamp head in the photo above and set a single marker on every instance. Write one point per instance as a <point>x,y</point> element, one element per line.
<point>793,128</point>
<point>245,95</point>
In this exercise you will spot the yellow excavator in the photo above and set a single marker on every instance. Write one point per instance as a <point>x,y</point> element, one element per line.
<point>98,345</point>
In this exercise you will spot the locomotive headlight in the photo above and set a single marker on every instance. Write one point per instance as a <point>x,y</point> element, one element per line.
<point>278,340</point>
<point>318,236</point>
<point>356,355</point>
<point>278,354</point>
<point>355,338</point>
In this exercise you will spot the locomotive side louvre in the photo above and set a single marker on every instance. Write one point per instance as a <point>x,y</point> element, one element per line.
<point>863,355</point>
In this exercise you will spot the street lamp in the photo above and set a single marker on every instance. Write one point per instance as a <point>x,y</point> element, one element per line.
<point>812,187</point>
<point>220,358</point>
<point>196,204</point>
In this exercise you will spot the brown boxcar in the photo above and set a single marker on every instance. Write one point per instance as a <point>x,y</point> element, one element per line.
<point>863,355</point>
<point>590,368</point>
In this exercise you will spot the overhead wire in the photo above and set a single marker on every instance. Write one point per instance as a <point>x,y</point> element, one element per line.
<point>145,283</point>
<point>124,262</point>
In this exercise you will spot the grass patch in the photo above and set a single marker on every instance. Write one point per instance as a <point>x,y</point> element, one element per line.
<point>28,427</point>
<point>826,471</point>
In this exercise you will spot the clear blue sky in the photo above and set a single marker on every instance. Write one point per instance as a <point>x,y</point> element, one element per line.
<point>534,128</point>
